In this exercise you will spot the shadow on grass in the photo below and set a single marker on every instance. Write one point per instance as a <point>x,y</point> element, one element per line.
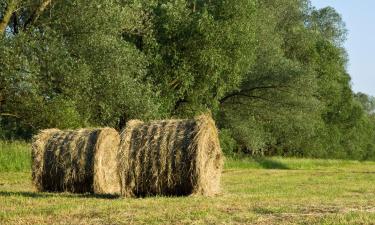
<point>271,164</point>
<point>263,211</point>
<point>51,195</point>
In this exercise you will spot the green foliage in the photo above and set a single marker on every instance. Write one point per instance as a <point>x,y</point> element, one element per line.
<point>328,22</point>
<point>275,108</point>
<point>227,142</point>
<point>273,73</point>
<point>78,74</point>
<point>33,90</point>
<point>198,50</point>
<point>367,102</point>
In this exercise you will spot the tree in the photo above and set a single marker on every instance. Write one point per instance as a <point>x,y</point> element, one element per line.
<point>273,73</point>
<point>275,110</point>
<point>329,24</point>
<point>346,132</point>
<point>367,102</point>
<point>80,74</point>
<point>198,50</point>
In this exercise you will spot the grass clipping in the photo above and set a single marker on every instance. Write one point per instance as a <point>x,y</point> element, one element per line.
<point>170,157</point>
<point>78,161</point>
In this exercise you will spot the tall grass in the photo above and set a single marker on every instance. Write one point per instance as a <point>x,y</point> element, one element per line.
<point>15,156</point>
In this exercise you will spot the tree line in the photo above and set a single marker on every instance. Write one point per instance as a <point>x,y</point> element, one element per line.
<point>272,73</point>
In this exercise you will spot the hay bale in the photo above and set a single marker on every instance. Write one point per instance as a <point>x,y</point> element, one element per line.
<point>170,157</point>
<point>76,161</point>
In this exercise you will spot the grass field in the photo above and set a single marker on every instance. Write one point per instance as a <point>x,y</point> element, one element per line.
<point>262,191</point>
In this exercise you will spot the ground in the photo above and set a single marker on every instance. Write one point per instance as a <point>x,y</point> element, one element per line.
<point>254,191</point>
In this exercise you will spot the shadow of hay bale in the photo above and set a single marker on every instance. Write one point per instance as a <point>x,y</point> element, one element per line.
<point>56,194</point>
<point>271,164</point>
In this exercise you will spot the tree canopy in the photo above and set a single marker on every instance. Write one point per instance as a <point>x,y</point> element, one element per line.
<point>273,73</point>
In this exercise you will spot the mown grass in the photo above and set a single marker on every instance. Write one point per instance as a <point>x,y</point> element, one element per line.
<point>294,163</point>
<point>255,191</point>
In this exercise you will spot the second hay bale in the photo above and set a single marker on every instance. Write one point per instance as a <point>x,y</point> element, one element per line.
<point>170,157</point>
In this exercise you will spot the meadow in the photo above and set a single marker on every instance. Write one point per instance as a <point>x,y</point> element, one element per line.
<point>254,191</point>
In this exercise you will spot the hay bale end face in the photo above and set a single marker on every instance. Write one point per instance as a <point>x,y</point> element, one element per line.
<point>170,157</point>
<point>78,161</point>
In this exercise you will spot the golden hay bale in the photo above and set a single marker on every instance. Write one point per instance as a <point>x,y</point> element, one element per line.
<point>76,161</point>
<point>170,157</point>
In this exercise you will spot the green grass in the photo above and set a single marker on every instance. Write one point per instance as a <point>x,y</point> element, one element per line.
<point>295,164</point>
<point>255,191</point>
<point>15,156</point>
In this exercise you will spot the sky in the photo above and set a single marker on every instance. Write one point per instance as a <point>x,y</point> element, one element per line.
<point>359,17</point>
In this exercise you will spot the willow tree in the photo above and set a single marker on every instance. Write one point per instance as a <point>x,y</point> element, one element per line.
<point>275,109</point>
<point>66,64</point>
<point>198,50</point>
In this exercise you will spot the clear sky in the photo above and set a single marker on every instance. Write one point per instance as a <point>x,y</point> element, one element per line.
<point>359,17</point>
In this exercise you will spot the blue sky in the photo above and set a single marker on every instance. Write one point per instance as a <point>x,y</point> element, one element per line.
<point>359,17</point>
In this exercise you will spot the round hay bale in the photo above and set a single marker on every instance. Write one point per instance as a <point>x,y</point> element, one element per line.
<point>37,155</point>
<point>78,161</point>
<point>170,157</point>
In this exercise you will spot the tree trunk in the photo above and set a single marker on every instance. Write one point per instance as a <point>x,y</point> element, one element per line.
<point>41,9</point>
<point>12,5</point>
<point>38,12</point>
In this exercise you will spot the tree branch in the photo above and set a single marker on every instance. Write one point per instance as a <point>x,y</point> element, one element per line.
<point>38,12</point>
<point>244,91</point>
<point>10,115</point>
<point>18,117</point>
<point>12,5</point>
<point>15,23</point>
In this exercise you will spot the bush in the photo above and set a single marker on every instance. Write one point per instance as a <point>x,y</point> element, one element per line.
<point>227,142</point>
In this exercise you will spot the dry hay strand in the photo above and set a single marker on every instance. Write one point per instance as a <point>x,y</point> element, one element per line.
<point>77,161</point>
<point>170,157</point>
